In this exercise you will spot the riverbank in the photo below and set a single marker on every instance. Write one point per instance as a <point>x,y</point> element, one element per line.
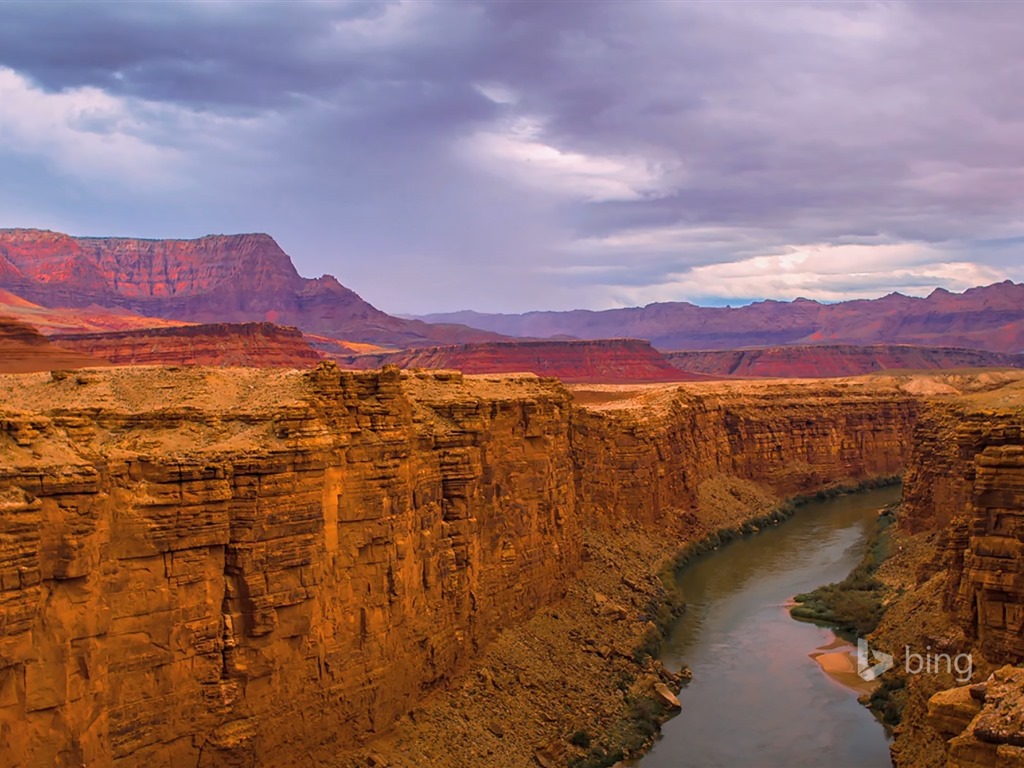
<point>576,685</point>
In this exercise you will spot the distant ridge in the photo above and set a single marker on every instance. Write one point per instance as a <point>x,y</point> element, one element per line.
<point>989,318</point>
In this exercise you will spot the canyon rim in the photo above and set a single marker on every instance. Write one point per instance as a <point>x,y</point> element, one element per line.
<point>499,384</point>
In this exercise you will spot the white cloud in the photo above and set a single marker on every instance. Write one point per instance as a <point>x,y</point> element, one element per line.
<point>517,150</point>
<point>824,272</point>
<point>83,132</point>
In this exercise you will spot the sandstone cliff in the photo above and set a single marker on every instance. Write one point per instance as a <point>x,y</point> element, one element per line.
<point>607,360</point>
<point>963,503</point>
<point>257,345</point>
<point>218,278</point>
<point>833,360</point>
<point>210,567</point>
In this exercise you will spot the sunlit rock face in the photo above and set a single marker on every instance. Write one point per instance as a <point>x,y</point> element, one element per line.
<point>239,567</point>
<point>213,279</point>
<point>257,345</point>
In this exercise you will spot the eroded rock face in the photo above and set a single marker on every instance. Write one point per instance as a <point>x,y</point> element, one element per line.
<point>966,480</point>
<point>206,567</point>
<point>984,721</point>
<point>202,581</point>
<point>213,279</point>
<point>965,483</point>
<point>642,464</point>
<point>255,345</point>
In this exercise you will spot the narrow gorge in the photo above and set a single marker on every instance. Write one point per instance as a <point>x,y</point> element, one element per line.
<point>246,568</point>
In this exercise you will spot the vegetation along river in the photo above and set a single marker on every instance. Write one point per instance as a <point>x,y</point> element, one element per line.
<point>758,698</point>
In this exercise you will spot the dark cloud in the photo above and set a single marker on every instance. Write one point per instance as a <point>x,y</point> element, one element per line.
<point>516,155</point>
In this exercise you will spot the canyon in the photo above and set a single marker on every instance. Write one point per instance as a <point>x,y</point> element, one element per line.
<point>221,566</point>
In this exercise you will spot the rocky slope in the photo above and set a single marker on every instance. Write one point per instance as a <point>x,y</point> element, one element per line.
<point>218,278</point>
<point>24,349</point>
<point>209,567</point>
<point>608,360</point>
<point>51,320</point>
<point>829,360</point>
<point>962,511</point>
<point>989,318</point>
<point>257,345</point>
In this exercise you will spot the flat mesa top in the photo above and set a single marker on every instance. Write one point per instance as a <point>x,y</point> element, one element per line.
<point>1003,389</point>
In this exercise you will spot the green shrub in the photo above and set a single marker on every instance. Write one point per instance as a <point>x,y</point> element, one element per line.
<point>580,739</point>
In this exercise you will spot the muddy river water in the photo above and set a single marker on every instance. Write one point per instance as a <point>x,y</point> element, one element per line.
<point>758,697</point>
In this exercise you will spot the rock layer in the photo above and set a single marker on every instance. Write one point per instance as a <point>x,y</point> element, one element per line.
<point>23,349</point>
<point>232,567</point>
<point>607,360</point>
<point>258,345</point>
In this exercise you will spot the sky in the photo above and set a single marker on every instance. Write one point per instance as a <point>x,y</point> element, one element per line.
<point>512,156</point>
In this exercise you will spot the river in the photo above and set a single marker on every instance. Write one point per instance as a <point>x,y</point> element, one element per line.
<point>757,697</point>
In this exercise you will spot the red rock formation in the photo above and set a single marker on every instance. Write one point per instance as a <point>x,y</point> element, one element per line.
<point>831,360</point>
<point>23,349</point>
<point>219,278</point>
<point>256,345</point>
<point>612,360</point>
<point>51,320</point>
<point>990,318</point>
<point>966,479</point>
<point>215,568</point>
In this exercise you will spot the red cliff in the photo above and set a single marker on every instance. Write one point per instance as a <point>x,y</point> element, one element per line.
<point>256,345</point>
<point>621,360</point>
<point>218,278</point>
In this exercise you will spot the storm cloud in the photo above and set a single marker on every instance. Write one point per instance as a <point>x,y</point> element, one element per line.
<point>529,155</point>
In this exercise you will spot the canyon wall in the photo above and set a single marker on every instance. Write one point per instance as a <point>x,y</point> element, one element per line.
<point>234,567</point>
<point>963,510</point>
<point>966,480</point>
<point>655,457</point>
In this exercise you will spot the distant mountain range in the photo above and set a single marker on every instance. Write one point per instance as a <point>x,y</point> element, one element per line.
<point>989,318</point>
<point>238,300</point>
